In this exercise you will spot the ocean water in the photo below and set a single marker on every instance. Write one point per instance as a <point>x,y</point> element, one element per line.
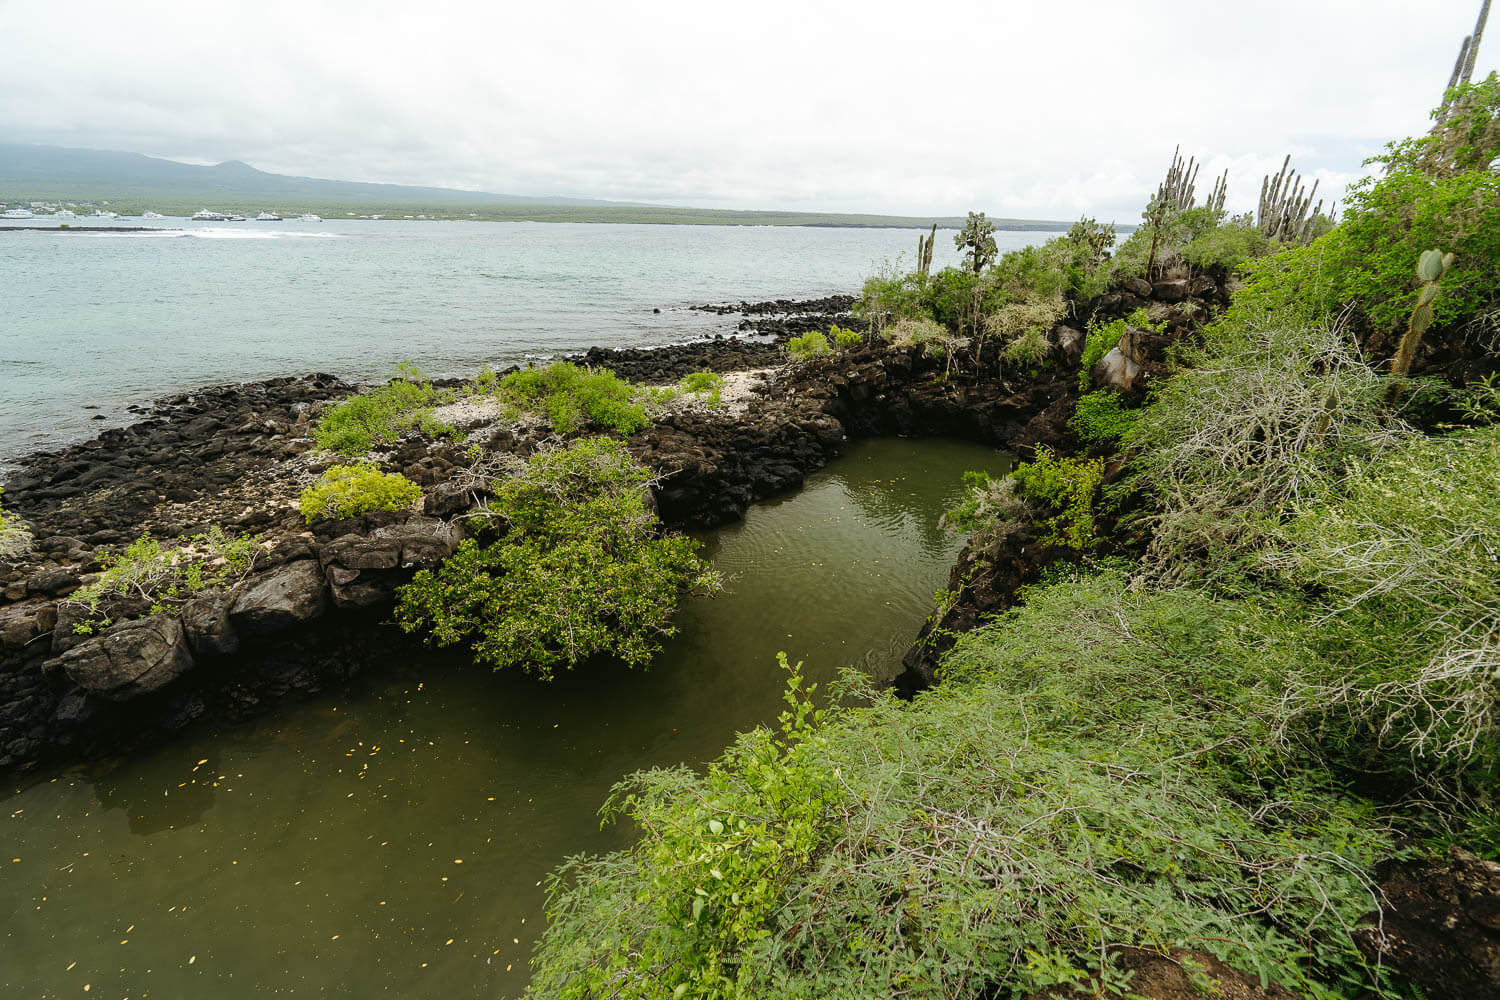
<point>91,321</point>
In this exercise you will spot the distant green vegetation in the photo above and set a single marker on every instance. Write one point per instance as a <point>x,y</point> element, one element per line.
<point>580,570</point>
<point>351,490</point>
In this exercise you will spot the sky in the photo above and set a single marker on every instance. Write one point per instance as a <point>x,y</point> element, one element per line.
<point>1024,110</point>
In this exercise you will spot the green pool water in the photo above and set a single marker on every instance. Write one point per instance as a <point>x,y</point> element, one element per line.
<point>394,840</point>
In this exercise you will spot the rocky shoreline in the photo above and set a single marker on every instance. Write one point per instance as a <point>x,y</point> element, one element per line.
<point>237,457</point>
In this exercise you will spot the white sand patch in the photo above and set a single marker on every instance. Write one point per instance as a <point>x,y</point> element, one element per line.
<point>470,411</point>
<point>739,388</point>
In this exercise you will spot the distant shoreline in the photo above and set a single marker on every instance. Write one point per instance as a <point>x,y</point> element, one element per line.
<point>894,223</point>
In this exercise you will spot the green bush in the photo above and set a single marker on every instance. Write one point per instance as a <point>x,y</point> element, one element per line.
<point>1099,419</point>
<point>812,344</point>
<point>1094,772</point>
<point>709,385</point>
<point>381,415</point>
<point>1465,136</point>
<point>351,490</point>
<point>1232,245</point>
<point>1432,196</point>
<point>845,340</point>
<point>166,578</point>
<point>581,570</point>
<point>571,396</point>
<point>891,296</point>
<point>1178,230</point>
<point>1070,487</point>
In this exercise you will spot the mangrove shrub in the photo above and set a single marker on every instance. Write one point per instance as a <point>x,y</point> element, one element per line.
<point>581,569</point>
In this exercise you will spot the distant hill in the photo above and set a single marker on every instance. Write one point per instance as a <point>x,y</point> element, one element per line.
<point>61,172</point>
<point>133,182</point>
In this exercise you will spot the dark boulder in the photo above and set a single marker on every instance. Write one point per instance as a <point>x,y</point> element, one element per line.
<point>205,621</point>
<point>54,582</point>
<point>1439,925</point>
<point>131,659</point>
<point>1170,291</point>
<point>289,595</point>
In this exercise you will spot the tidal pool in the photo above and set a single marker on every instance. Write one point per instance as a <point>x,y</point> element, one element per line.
<point>394,840</point>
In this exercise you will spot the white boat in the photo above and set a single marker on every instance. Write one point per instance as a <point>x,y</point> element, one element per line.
<point>64,213</point>
<point>204,215</point>
<point>235,218</point>
<point>152,215</point>
<point>17,213</point>
<point>100,213</point>
<point>309,217</point>
<point>267,217</point>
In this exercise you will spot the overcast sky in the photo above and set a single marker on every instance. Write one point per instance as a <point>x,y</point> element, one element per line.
<point>1037,110</point>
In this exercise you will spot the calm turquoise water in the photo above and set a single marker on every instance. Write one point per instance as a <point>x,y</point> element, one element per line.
<point>393,843</point>
<point>105,319</point>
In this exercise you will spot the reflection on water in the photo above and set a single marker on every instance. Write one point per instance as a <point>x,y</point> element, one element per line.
<point>395,841</point>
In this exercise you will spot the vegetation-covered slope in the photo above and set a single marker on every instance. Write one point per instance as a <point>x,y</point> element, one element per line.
<point>1265,659</point>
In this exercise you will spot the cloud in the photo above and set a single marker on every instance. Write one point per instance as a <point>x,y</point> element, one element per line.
<point>1046,110</point>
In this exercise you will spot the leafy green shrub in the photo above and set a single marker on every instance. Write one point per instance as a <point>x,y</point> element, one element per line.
<point>351,490</point>
<point>381,415</point>
<point>1069,486</point>
<point>1094,772</point>
<point>1367,260</point>
<point>707,384</point>
<point>1405,554</point>
<point>891,296</point>
<point>812,344</point>
<point>845,340</point>
<point>1232,245</point>
<point>570,396</point>
<point>1022,325</point>
<point>581,571</point>
<point>165,577</point>
<point>1099,419</point>
<point>1466,136</point>
<point>1178,230</point>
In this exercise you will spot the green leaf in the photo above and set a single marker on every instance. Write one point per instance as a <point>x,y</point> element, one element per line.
<point>714,826</point>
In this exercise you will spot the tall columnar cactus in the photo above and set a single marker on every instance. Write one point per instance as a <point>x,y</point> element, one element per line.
<point>1221,192</point>
<point>1177,190</point>
<point>1431,267</point>
<point>1283,213</point>
<point>924,252</point>
<point>1463,66</point>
